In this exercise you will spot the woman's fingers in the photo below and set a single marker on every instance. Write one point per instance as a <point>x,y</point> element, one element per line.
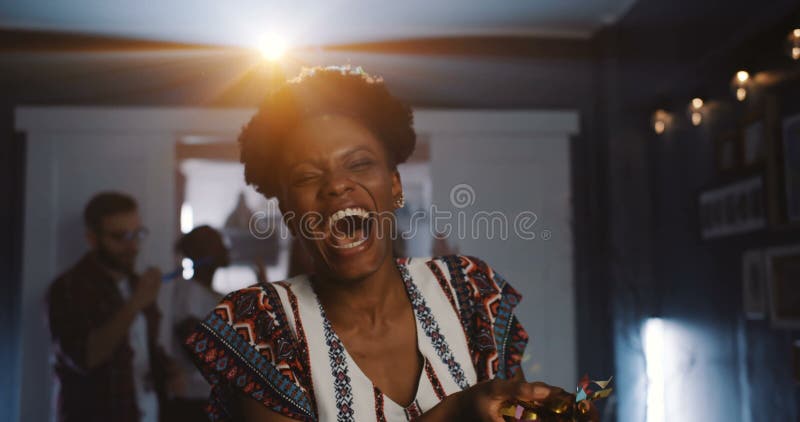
<point>532,391</point>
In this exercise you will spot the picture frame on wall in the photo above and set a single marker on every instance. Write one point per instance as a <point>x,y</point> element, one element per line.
<point>783,282</point>
<point>733,208</point>
<point>791,167</point>
<point>728,152</point>
<point>753,143</point>
<point>754,284</point>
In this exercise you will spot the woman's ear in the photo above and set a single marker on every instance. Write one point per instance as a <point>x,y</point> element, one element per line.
<point>397,184</point>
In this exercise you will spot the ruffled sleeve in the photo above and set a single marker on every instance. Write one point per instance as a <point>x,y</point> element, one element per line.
<point>246,347</point>
<point>486,303</point>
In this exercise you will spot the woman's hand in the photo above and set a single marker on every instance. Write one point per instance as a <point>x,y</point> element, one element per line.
<point>482,402</point>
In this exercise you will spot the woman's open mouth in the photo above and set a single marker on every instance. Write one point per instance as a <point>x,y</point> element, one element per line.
<point>349,228</point>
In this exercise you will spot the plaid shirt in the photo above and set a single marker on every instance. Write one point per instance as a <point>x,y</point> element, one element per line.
<point>81,300</point>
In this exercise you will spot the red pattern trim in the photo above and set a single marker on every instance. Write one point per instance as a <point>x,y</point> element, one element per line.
<point>435,383</point>
<point>440,277</point>
<point>380,415</point>
<point>413,410</point>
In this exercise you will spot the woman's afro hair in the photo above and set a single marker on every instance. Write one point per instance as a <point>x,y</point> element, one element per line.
<point>319,91</point>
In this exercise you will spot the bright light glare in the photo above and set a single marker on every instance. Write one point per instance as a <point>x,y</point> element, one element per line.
<point>188,268</point>
<point>653,339</point>
<point>697,103</point>
<point>272,47</point>
<point>187,218</point>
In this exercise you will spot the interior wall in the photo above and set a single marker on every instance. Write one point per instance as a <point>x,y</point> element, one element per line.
<point>73,153</point>
<point>493,170</point>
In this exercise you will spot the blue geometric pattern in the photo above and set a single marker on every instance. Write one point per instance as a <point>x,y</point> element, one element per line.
<point>258,365</point>
<point>503,325</point>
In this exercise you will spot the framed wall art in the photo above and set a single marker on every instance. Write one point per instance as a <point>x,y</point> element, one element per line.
<point>783,282</point>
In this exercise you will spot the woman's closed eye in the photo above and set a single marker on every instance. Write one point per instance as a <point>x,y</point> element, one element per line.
<point>361,164</point>
<point>304,179</point>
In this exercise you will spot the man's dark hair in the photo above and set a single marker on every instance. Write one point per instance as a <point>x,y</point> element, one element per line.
<point>319,91</point>
<point>105,204</point>
<point>195,244</point>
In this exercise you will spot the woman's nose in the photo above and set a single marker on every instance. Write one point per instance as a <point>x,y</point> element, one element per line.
<point>338,184</point>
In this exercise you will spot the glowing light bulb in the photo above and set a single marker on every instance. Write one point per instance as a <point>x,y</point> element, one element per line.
<point>660,120</point>
<point>741,94</point>
<point>272,47</point>
<point>796,53</point>
<point>659,126</point>
<point>796,33</point>
<point>742,76</point>
<point>697,118</point>
<point>697,103</point>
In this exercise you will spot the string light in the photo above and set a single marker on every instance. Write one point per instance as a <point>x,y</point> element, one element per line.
<point>794,44</point>
<point>661,119</point>
<point>740,84</point>
<point>695,111</point>
<point>742,76</point>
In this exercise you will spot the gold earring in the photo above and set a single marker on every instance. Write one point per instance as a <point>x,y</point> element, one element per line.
<point>400,202</point>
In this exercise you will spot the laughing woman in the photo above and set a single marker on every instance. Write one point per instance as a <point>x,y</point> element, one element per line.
<point>366,336</point>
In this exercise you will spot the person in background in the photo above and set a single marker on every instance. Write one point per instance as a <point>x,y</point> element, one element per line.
<point>104,321</point>
<point>191,301</point>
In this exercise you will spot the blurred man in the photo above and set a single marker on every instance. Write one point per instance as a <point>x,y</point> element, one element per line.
<point>193,300</point>
<point>104,322</point>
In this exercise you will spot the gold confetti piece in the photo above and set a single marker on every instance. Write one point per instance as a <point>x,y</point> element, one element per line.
<point>510,410</point>
<point>603,384</point>
<point>602,394</point>
<point>530,416</point>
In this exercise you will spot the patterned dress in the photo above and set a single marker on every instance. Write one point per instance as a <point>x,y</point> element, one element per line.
<point>274,343</point>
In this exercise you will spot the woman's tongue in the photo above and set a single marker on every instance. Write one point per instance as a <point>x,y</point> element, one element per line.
<point>346,231</point>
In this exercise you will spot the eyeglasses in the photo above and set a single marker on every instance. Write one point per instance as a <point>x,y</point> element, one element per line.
<point>129,235</point>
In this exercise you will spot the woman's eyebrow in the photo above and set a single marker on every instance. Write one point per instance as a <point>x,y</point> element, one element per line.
<point>355,150</point>
<point>344,155</point>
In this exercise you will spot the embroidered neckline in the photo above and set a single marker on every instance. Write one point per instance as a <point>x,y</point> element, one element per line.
<point>339,356</point>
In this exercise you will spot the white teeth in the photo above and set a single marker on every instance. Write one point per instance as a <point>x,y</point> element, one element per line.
<point>351,245</point>
<point>347,212</point>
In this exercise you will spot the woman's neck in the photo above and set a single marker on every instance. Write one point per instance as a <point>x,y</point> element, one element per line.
<point>370,299</point>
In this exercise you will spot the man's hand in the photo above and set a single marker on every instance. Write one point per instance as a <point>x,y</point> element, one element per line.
<point>105,339</point>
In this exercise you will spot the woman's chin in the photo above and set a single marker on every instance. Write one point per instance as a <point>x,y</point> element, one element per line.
<point>353,262</point>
